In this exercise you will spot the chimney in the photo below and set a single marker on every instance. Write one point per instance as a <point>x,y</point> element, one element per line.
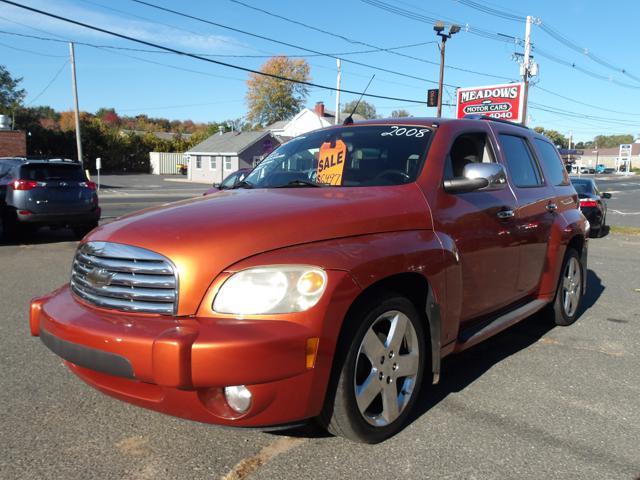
<point>319,109</point>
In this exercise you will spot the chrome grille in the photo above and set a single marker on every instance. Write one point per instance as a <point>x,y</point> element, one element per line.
<point>122,277</point>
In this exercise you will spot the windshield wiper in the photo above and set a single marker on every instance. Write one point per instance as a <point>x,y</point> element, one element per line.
<point>300,183</point>
<point>242,184</point>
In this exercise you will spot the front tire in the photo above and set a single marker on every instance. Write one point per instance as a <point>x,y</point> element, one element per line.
<point>379,370</point>
<point>566,305</point>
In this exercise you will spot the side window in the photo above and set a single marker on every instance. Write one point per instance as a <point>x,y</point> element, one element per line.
<point>467,148</point>
<point>522,167</point>
<point>231,180</point>
<point>551,163</point>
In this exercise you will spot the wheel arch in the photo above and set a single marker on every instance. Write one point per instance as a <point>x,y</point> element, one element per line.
<point>417,289</point>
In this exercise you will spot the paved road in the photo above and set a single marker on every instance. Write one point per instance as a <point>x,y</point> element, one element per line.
<point>122,194</point>
<point>534,402</point>
<point>624,207</point>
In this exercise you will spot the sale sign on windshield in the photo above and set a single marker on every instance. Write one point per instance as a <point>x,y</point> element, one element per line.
<point>498,101</point>
<point>331,162</point>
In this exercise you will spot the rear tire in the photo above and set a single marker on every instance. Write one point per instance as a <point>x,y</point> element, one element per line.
<point>566,305</point>
<point>378,371</point>
<point>8,226</point>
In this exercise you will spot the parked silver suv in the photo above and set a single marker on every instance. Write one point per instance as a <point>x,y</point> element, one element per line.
<point>54,192</point>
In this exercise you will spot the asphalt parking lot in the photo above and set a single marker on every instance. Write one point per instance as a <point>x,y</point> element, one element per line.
<point>533,402</point>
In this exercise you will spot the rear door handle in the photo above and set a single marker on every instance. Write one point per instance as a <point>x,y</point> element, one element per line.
<point>552,207</point>
<point>502,214</point>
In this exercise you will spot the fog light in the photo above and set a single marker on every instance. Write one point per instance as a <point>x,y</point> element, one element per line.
<point>238,398</point>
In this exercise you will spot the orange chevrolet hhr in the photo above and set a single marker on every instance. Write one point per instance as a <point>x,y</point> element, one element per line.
<point>328,284</point>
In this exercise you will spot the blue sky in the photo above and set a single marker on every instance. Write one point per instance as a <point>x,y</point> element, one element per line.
<point>167,85</point>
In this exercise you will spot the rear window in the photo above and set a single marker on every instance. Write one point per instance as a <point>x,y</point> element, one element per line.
<point>583,187</point>
<point>551,163</point>
<point>354,156</point>
<point>47,171</point>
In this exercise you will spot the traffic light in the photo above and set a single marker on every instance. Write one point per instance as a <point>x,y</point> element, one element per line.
<point>432,97</point>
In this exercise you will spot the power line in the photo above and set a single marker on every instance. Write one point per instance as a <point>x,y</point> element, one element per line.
<point>583,70</point>
<point>31,51</point>
<point>584,103</point>
<point>413,15</point>
<point>213,55</point>
<point>116,49</point>
<point>263,37</point>
<point>197,57</point>
<point>569,113</point>
<point>50,83</point>
<point>584,51</point>
<point>358,42</point>
<point>552,32</point>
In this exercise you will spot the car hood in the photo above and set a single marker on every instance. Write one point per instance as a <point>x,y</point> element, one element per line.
<point>206,235</point>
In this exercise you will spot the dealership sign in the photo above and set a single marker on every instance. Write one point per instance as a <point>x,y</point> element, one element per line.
<point>498,101</point>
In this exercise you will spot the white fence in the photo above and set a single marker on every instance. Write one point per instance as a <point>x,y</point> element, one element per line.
<point>163,163</point>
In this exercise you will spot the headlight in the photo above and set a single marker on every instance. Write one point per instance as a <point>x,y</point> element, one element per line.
<point>272,289</point>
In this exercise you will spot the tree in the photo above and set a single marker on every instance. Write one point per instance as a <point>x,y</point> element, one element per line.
<point>557,138</point>
<point>400,113</point>
<point>10,95</point>
<point>364,109</point>
<point>610,141</point>
<point>270,99</point>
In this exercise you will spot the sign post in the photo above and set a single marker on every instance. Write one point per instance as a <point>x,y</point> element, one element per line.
<point>98,168</point>
<point>624,158</point>
<point>498,101</point>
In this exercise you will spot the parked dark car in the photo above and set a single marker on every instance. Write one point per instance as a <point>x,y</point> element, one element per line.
<point>592,203</point>
<point>231,181</point>
<point>55,193</point>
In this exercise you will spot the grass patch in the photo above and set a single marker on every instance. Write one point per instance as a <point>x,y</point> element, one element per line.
<point>625,230</point>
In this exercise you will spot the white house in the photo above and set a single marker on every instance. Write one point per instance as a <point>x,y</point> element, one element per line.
<point>304,121</point>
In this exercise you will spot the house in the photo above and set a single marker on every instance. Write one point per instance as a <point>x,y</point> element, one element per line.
<point>305,121</point>
<point>219,155</point>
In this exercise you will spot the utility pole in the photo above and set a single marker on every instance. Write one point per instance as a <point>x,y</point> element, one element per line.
<point>526,68</point>
<point>439,29</point>
<point>75,101</point>
<point>338,93</point>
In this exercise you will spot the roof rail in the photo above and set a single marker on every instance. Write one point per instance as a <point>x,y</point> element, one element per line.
<point>475,116</point>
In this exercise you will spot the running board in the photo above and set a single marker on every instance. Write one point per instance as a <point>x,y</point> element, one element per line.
<point>474,335</point>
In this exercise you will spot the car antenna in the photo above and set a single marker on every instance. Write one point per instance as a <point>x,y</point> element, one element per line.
<point>349,119</point>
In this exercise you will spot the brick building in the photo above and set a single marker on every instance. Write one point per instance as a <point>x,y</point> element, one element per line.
<point>13,143</point>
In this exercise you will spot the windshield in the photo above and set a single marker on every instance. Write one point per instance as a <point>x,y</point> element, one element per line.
<point>345,157</point>
<point>49,171</point>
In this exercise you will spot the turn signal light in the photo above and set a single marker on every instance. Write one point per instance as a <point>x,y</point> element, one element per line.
<point>23,184</point>
<point>312,351</point>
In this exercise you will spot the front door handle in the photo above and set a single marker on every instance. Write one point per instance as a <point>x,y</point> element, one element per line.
<point>552,207</point>
<point>502,214</point>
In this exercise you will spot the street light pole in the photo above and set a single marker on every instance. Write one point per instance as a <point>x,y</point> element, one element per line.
<point>439,29</point>
<point>441,80</point>
<point>75,102</point>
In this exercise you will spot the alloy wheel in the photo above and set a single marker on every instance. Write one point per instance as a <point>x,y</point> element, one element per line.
<point>571,284</point>
<point>386,368</point>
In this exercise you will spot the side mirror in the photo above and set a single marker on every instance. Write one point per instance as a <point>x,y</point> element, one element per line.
<point>606,195</point>
<point>478,176</point>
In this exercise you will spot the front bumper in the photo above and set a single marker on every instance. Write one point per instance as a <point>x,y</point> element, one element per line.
<point>180,366</point>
